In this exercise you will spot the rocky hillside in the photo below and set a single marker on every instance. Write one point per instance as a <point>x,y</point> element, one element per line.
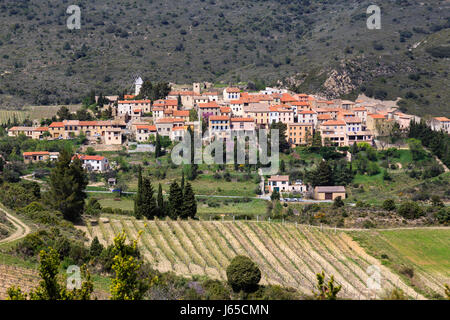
<point>316,46</point>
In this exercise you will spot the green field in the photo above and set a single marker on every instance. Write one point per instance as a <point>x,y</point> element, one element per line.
<point>206,206</point>
<point>426,251</point>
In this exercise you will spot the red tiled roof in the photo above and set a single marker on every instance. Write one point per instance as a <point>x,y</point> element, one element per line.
<point>87,157</point>
<point>442,119</point>
<point>134,101</point>
<point>233,90</point>
<point>307,112</point>
<point>146,127</point>
<point>334,123</point>
<point>181,113</point>
<point>56,125</point>
<point>212,104</point>
<point>41,129</point>
<point>242,120</point>
<point>36,153</point>
<point>219,118</point>
<point>377,116</point>
<point>326,116</point>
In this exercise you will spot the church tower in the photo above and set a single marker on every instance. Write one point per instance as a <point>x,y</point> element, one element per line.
<point>138,85</point>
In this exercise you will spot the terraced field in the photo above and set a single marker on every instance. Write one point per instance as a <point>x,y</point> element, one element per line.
<point>33,113</point>
<point>287,254</point>
<point>26,279</point>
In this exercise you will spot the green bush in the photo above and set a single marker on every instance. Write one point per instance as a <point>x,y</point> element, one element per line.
<point>389,205</point>
<point>243,274</point>
<point>338,202</point>
<point>443,216</point>
<point>216,290</point>
<point>410,210</point>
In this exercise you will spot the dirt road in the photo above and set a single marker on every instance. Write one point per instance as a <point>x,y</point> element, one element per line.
<point>22,230</point>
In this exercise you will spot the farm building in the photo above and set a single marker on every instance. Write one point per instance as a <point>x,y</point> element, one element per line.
<point>32,157</point>
<point>329,192</point>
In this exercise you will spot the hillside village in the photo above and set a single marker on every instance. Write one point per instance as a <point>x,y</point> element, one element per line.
<point>339,123</point>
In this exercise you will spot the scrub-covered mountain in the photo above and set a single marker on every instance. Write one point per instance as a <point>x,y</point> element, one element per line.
<point>313,46</point>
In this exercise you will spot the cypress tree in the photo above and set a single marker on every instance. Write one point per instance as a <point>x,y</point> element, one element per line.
<point>175,201</point>
<point>160,202</point>
<point>189,203</point>
<point>149,208</point>
<point>138,198</point>
<point>157,146</point>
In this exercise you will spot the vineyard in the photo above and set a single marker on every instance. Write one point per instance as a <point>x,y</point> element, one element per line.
<point>32,113</point>
<point>287,254</point>
<point>10,114</point>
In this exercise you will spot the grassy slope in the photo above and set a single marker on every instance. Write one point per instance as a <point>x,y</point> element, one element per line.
<point>425,250</point>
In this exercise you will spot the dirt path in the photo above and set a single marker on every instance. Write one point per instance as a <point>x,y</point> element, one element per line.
<point>22,230</point>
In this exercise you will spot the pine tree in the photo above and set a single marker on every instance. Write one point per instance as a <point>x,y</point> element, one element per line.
<point>67,184</point>
<point>189,203</point>
<point>175,201</point>
<point>160,202</point>
<point>149,208</point>
<point>324,174</point>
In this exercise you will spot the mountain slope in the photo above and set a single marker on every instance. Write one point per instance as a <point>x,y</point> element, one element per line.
<point>42,62</point>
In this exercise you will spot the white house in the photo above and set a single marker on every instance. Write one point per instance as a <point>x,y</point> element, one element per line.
<point>274,115</point>
<point>281,184</point>
<point>231,94</point>
<point>237,108</point>
<point>441,123</point>
<point>129,106</point>
<point>307,116</point>
<point>93,163</point>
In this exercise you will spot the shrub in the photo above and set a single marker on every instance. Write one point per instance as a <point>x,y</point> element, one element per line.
<point>410,210</point>
<point>243,274</point>
<point>389,205</point>
<point>338,202</point>
<point>443,216</point>
<point>368,224</point>
<point>407,271</point>
<point>216,290</point>
<point>373,169</point>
